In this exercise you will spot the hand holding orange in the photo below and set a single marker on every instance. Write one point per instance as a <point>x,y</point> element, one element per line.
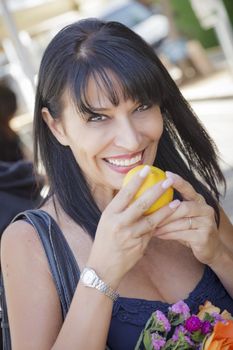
<point>152,178</point>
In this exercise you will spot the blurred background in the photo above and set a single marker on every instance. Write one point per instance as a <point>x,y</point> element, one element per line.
<point>193,38</point>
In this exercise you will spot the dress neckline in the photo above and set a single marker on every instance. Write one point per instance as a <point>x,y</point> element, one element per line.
<point>197,289</point>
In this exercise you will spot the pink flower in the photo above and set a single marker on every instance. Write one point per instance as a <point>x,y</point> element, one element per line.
<point>180,308</point>
<point>178,330</point>
<point>193,324</point>
<point>157,341</point>
<point>217,318</point>
<point>162,319</point>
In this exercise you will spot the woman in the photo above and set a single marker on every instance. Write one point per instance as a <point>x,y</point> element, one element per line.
<point>105,104</point>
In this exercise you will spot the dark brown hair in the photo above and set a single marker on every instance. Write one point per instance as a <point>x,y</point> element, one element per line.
<point>92,48</point>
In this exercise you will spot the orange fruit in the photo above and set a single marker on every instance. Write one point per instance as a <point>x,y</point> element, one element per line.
<point>152,178</point>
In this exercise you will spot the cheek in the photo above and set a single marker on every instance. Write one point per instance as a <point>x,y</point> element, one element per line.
<point>87,145</point>
<point>155,128</point>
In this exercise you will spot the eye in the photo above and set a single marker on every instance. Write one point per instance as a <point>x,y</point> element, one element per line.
<point>96,118</point>
<point>142,107</point>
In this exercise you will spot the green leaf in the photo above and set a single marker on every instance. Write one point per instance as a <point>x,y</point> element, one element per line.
<point>169,345</point>
<point>186,346</point>
<point>176,319</point>
<point>208,317</point>
<point>149,323</point>
<point>158,328</point>
<point>177,322</point>
<point>147,340</point>
<point>197,336</point>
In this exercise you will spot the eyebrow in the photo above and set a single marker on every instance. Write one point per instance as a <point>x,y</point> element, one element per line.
<point>100,109</point>
<point>97,109</point>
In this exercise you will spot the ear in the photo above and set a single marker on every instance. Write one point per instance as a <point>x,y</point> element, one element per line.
<point>55,126</point>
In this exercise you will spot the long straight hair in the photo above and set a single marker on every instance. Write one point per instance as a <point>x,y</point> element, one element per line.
<point>92,49</point>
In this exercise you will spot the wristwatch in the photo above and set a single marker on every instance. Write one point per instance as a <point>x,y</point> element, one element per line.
<point>89,278</point>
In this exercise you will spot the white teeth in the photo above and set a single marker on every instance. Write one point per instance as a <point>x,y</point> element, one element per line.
<point>125,162</point>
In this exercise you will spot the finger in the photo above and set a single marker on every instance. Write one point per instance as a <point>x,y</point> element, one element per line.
<point>185,210</point>
<point>150,222</point>
<point>185,224</point>
<point>185,188</point>
<point>145,201</point>
<point>181,236</point>
<point>127,192</point>
<point>201,238</point>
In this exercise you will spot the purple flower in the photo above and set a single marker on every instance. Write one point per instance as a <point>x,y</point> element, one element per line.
<point>188,340</point>
<point>162,319</point>
<point>217,318</point>
<point>193,324</point>
<point>157,341</point>
<point>178,330</point>
<point>206,327</point>
<point>180,308</point>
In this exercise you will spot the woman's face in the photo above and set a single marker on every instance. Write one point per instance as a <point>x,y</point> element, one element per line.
<point>114,139</point>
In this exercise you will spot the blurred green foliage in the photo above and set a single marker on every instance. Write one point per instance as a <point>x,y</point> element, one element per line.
<point>188,24</point>
<point>229,7</point>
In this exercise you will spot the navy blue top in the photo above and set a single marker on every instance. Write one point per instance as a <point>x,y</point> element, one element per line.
<point>130,315</point>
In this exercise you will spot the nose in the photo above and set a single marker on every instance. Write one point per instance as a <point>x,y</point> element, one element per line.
<point>127,136</point>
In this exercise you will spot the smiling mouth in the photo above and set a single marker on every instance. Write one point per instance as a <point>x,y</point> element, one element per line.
<point>129,162</point>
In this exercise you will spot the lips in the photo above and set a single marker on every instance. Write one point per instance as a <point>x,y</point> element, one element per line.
<point>124,163</point>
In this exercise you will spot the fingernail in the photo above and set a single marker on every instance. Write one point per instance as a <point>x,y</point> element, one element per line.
<point>145,171</point>
<point>167,183</point>
<point>174,204</point>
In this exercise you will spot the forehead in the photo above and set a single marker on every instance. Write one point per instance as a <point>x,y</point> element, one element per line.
<point>96,93</point>
<point>102,92</point>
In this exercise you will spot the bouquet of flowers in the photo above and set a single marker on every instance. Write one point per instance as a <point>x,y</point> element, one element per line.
<point>210,329</point>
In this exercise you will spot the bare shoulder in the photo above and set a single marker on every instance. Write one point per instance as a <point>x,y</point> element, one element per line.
<point>22,252</point>
<point>18,229</point>
<point>32,301</point>
<point>20,237</point>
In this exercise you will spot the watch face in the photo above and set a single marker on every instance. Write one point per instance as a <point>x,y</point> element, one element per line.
<point>88,276</point>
